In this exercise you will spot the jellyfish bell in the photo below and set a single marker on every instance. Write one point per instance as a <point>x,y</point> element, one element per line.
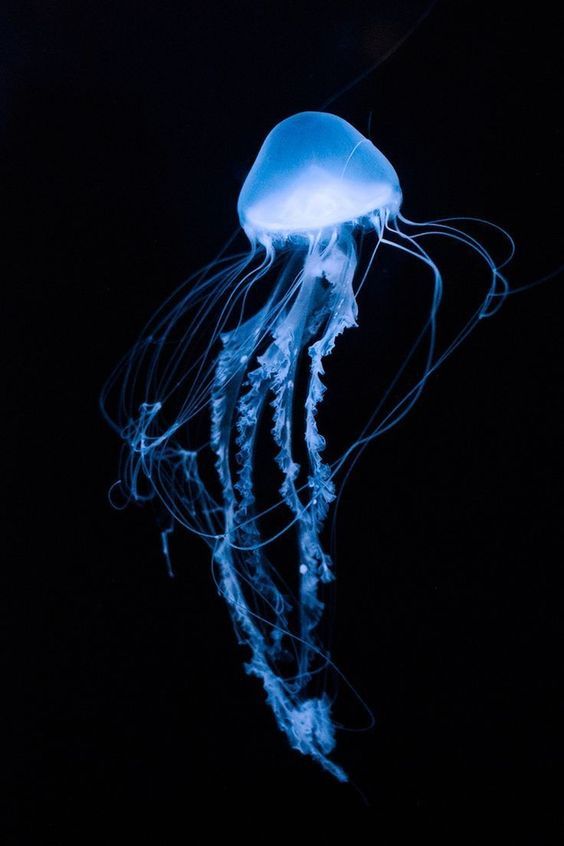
<point>314,173</point>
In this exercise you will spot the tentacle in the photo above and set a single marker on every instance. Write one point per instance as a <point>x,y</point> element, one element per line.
<point>174,374</point>
<point>306,722</point>
<point>310,308</point>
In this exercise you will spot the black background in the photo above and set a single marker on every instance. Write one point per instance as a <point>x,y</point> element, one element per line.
<point>127,130</point>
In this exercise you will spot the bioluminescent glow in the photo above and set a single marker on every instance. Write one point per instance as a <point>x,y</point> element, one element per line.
<point>234,361</point>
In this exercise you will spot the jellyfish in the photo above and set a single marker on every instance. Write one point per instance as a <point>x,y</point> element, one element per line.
<point>232,364</point>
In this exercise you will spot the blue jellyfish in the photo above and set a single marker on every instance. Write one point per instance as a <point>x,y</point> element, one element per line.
<point>232,365</point>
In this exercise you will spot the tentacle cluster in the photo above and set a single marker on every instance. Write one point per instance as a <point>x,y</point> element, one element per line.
<point>322,308</point>
<point>175,379</point>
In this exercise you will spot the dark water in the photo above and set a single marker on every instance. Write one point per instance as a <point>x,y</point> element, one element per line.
<point>126,133</point>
